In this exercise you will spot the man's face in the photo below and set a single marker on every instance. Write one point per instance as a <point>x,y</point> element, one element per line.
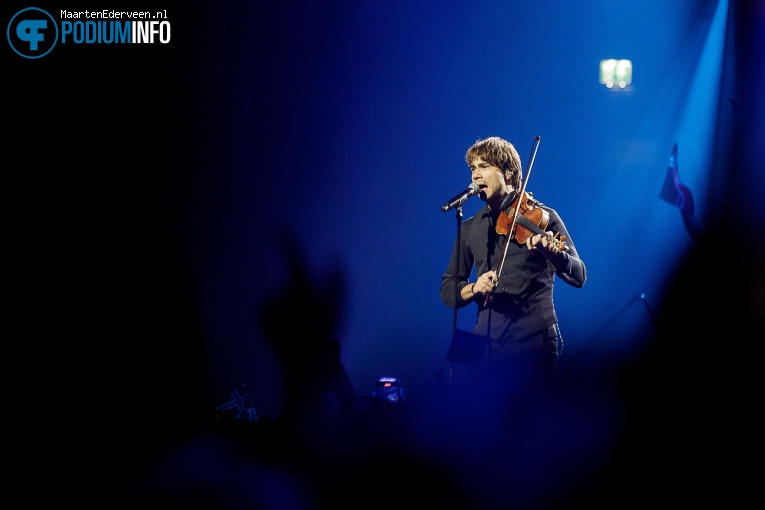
<point>489,178</point>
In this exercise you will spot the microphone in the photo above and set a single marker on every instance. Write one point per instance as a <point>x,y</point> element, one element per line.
<point>460,199</point>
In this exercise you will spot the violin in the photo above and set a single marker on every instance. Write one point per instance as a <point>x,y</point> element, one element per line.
<point>528,220</point>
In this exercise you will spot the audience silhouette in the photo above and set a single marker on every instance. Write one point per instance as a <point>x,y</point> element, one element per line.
<point>660,429</point>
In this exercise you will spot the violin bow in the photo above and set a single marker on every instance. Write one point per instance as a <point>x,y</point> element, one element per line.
<point>522,193</point>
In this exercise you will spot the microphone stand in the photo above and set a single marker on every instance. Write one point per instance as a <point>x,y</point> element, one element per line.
<point>458,215</point>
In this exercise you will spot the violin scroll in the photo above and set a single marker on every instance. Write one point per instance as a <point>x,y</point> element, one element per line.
<point>556,242</point>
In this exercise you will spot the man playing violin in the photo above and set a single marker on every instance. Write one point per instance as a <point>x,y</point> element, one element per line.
<point>517,246</point>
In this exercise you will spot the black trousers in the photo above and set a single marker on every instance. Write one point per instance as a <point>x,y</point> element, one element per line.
<point>529,360</point>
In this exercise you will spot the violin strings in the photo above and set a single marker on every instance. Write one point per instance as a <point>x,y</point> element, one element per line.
<point>527,223</point>
<point>530,225</point>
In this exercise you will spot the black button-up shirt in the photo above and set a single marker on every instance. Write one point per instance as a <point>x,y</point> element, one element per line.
<point>522,303</point>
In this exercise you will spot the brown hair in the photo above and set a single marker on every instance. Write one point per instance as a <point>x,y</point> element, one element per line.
<point>500,153</point>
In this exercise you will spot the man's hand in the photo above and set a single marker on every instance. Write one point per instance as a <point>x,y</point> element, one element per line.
<point>486,283</point>
<point>545,240</point>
